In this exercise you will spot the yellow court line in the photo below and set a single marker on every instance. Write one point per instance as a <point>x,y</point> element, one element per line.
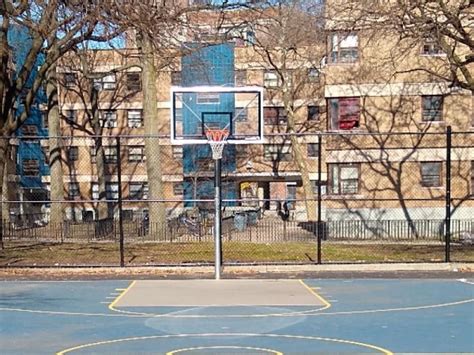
<point>253,335</point>
<point>114,302</point>
<point>319,297</point>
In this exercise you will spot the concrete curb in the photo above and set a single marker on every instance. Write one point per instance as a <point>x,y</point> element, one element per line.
<point>234,270</point>
<point>454,267</point>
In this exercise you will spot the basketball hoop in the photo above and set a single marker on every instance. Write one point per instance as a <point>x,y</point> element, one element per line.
<point>217,139</point>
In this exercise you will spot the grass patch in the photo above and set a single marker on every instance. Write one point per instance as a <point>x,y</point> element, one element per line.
<point>107,253</point>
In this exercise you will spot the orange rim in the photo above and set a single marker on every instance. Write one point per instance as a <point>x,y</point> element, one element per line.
<point>217,135</point>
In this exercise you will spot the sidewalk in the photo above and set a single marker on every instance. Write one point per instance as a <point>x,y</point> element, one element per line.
<point>245,271</point>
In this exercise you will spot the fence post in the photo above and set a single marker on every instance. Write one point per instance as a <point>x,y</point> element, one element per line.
<point>319,226</point>
<point>448,196</point>
<point>119,201</point>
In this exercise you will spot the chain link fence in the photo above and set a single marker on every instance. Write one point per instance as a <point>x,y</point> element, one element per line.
<point>134,200</point>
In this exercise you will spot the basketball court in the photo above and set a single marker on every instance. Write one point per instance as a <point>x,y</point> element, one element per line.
<point>237,316</point>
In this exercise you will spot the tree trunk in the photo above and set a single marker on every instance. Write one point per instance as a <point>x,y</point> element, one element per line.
<point>157,210</point>
<point>9,164</point>
<point>297,150</point>
<point>104,208</point>
<point>310,202</point>
<point>55,145</point>
<point>3,160</point>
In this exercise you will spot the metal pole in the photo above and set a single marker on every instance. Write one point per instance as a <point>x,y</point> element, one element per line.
<point>119,197</point>
<point>319,201</point>
<point>217,218</point>
<point>448,195</point>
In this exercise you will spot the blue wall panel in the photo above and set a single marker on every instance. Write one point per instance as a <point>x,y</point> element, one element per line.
<point>28,149</point>
<point>213,65</point>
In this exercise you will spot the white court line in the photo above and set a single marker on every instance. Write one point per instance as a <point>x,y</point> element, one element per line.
<point>197,335</point>
<point>294,314</point>
<point>466,282</point>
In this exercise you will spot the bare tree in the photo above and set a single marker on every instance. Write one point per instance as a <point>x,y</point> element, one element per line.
<point>52,29</point>
<point>289,44</point>
<point>89,68</point>
<point>160,32</point>
<point>440,30</point>
<point>55,148</point>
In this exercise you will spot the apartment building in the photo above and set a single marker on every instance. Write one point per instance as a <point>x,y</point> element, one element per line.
<point>352,85</point>
<point>378,81</point>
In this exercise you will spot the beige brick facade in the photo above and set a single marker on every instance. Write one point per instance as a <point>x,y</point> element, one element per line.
<point>380,81</point>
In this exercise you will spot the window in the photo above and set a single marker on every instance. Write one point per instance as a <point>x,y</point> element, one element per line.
<point>134,118</point>
<point>110,155</point>
<point>111,191</point>
<point>344,113</point>
<point>207,98</point>
<point>343,47</point>
<point>275,115</point>
<point>134,82</point>
<point>313,113</point>
<point>30,167</point>
<point>30,132</point>
<point>87,216</point>
<point>277,152</point>
<point>432,108</point>
<point>178,189</point>
<point>241,114</point>
<point>95,191</point>
<point>240,77</point>
<point>176,79</point>
<point>344,178</point>
<point>270,79</point>
<point>70,115</point>
<point>314,183</point>
<point>290,196</point>
<point>93,152</point>
<point>313,75</point>
<point>70,79</point>
<point>431,174</point>
<point>177,152</point>
<point>313,150</point>
<point>250,37</point>
<point>73,153</point>
<point>205,36</point>
<point>73,190</point>
<point>107,82</point>
<point>136,154</point>
<point>138,191</point>
<point>431,47</point>
<point>241,36</point>
<point>108,119</point>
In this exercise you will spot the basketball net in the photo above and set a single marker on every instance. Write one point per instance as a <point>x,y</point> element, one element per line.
<point>217,140</point>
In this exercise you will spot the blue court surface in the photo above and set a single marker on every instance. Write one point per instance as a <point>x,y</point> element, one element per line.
<point>310,316</point>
